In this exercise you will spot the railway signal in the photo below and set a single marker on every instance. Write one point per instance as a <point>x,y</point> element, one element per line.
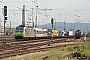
<point>5,10</point>
<point>5,18</point>
<point>52,27</point>
<point>52,21</point>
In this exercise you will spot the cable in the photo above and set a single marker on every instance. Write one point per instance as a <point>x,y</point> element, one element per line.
<point>11,4</point>
<point>76,4</point>
<point>1,0</point>
<point>18,2</point>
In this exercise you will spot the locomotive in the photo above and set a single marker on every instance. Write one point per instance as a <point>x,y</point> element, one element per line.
<point>78,34</point>
<point>23,32</point>
<point>20,32</point>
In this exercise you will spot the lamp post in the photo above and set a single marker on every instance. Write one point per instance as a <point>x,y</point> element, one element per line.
<point>65,25</point>
<point>55,23</point>
<point>32,18</point>
<point>77,16</point>
<point>36,17</point>
<point>10,23</point>
<point>87,25</point>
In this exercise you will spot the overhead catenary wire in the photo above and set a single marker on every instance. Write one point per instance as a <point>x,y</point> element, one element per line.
<point>17,2</point>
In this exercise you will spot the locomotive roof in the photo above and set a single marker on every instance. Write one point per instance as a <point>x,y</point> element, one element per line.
<point>40,29</point>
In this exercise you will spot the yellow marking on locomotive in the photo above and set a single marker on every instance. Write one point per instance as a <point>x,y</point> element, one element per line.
<point>55,32</point>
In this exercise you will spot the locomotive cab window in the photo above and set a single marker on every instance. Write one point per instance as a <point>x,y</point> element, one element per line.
<point>19,29</point>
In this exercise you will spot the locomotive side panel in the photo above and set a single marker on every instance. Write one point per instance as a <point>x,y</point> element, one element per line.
<point>40,32</point>
<point>48,32</point>
<point>30,32</point>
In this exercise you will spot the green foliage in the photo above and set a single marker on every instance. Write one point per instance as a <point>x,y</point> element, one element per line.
<point>69,48</point>
<point>62,49</point>
<point>88,34</point>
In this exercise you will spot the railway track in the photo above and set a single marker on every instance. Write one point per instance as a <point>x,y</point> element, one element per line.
<point>10,39</point>
<point>14,49</point>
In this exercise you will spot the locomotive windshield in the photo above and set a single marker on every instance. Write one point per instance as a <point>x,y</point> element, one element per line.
<point>19,29</point>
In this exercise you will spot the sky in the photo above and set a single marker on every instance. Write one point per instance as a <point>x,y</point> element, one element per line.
<point>70,11</point>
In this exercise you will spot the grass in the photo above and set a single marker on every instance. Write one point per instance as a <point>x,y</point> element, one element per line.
<point>56,53</point>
